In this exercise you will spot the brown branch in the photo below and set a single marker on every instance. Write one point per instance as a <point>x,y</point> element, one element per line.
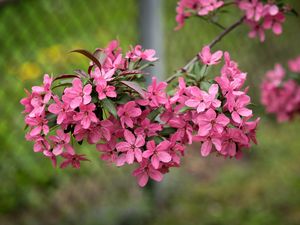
<point>212,44</point>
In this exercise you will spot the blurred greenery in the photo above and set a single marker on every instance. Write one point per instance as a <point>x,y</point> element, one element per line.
<point>35,37</point>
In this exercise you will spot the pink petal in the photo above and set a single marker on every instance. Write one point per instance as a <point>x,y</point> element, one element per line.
<point>155,175</point>
<point>206,148</point>
<point>143,179</point>
<point>129,137</point>
<point>164,156</point>
<point>244,112</point>
<point>192,103</point>
<point>155,161</point>
<point>236,117</point>
<point>123,146</point>
<point>140,141</point>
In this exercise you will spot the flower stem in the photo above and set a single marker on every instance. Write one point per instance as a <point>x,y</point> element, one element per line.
<point>212,44</point>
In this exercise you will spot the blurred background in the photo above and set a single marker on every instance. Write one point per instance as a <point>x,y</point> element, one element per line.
<point>35,37</point>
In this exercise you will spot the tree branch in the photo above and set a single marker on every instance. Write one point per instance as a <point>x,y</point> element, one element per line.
<point>212,44</point>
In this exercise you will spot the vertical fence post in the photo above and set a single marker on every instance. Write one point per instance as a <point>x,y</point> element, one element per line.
<point>151,33</point>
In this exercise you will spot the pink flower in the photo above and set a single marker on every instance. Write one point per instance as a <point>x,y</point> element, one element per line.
<point>61,141</point>
<point>208,143</point>
<point>274,22</point>
<point>232,142</point>
<point>240,109</point>
<point>145,171</point>
<point>37,125</point>
<point>276,76</point>
<point>132,146</point>
<point>138,54</point>
<point>256,30</point>
<point>209,121</point>
<point>44,90</point>
<point>210,59</point>
<point>155,95</point>
<point>147,128</point>
<point>101,74</point>
<point>60,109</point>
<point>196,100</point>
<point>208,6</point>
<point>210,97</point>
<point>157,153</point>
<point>73,160</point>
<point>77,94</point>
<point>41,145</point>
<point>86,115</point>
<point>127,112</point>
<point>105,90</point>
<point>294,65</point>
<point>254,9</point>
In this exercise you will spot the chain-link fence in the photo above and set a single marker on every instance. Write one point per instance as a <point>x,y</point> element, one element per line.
<point>35,38</point>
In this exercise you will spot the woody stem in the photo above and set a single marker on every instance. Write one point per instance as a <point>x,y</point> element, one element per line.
<point>212,44</point>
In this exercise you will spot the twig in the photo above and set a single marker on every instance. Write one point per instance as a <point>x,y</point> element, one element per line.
<point>212,44</point>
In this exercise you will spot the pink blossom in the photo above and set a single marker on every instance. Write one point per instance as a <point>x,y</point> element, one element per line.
<point>60,109</point>
<point>61,141</point>
<point>155,95</point>
<point>77,94</point>
<point>274,22</point>
<point>105,90</point>
<point>128,112</point>
<point>196,100</point>
<point>240,109</point>
<point>132,146</point>
<point>294,65</point>
<point>145,171</point>
<point>37,125</point>
<point>44,90</point>
<point>210,121</point>
<point>86,115</point>
<point>210,97</point>
<point>73,160</point>
<point>253,8</point>
<point>138,54</point>
<point>102,74</point>
<point>157,153</point>
<point>147,128</point>
<point>256,30</point>
<point>208,58</point>
<point>276,76</point>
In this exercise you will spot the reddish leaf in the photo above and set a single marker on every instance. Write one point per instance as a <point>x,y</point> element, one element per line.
<point>134,86</point>
<point>129,72</point>
<point>65,76</point>
<point>89,55</point>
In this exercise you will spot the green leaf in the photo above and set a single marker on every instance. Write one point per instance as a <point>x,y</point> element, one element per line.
<point>154,114</point>
<point>202,72</point>
<point>146,65</point>
<point>89,55</point>
<point>110,107</point>
<point>134,86</point>
<point>62,85</point>
<point>205,85</point>
<point>167,131</point>
<point>81,73</point>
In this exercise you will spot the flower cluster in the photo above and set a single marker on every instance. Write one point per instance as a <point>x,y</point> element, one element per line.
<point>259,15</point>
<point>262,16</point>
<point>188,8</point>
<point>280,91</point>
<point>128,124</point>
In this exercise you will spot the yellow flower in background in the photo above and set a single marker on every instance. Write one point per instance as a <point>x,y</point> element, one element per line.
<point>51,55</point>
<point>29,70</point>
